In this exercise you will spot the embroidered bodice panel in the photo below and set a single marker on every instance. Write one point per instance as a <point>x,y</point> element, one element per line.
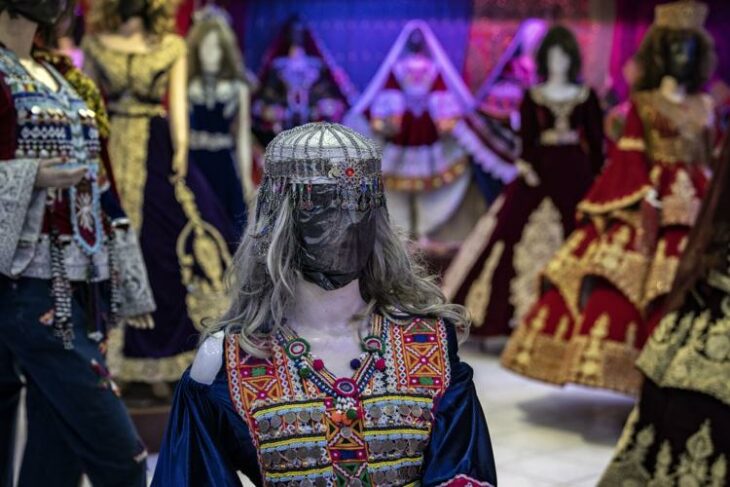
<point>213,114</point>
<point>559,122</point>
<point>676,132</point>
<point>58,124</point>
<point>129,78</point>
<point>302,435</point>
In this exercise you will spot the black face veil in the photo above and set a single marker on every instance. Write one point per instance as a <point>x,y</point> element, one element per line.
<point>332,176</point>
<point>43,12</point>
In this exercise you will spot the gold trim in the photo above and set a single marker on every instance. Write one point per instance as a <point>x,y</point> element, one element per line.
<point>400,183</point>
<point>682,205</point>
<point>681,15</point>
<point>480,293</point>
<point>662,271</point>
<point>206,295</point>
<point>148,370</point>
<point>566,270</point>
<point>615,204</point>
<point>596,361</point>
<point>691,352</point>
<point>541,237</point>
<point>470,250</point>
<point>535,354</point>
<point>631,144</point>
<point>129,163</point>
<point>692,467</point>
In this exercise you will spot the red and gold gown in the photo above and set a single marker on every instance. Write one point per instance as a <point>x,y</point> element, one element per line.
<point>496,271</point>
<point>603,290</point>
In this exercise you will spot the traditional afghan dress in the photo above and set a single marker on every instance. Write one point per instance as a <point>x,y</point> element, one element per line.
<point>70,267</point>
<point>178,224</point>
<point>408,416</point>
<point>496,272</point>
<point>677,433</point>
<point>419,108</point>
<point>604,289</point>
<point>214,111</point>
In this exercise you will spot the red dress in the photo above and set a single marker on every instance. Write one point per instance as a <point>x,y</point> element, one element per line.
<point>496,272</point>
<point>603,290</point>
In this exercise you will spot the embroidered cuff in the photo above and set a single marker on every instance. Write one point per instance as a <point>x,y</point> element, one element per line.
<point>462,480</point>
<point>17,178</point>
<point>136,293</point>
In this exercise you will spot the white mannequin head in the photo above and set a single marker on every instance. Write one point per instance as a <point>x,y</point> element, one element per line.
<point>210,53</point>
<point>558,63</point>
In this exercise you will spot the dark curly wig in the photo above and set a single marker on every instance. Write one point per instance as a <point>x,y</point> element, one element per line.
<point>562,37</point>
<point>654,50</point>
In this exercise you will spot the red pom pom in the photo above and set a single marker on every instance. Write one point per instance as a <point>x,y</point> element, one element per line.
<point>380,364</point>
<point>318,364</point>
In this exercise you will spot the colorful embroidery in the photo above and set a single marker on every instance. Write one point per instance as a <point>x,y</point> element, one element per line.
<point>317,429</point>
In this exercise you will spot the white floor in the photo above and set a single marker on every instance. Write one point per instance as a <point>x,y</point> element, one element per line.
<point>542,435</point>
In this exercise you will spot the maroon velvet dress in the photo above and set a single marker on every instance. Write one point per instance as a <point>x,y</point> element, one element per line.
<point>495,274</point>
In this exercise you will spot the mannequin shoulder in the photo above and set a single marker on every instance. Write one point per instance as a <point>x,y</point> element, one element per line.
<point>208,359</point>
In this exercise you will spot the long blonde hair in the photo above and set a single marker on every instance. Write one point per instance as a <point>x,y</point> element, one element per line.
<point>261,289</point>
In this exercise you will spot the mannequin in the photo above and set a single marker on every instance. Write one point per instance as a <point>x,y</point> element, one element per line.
<point>316,341</point>
<point>300,83</point>
<point>184,232</point>
<point>686,375</point>
<point>604,290</point>
<point>70,267</point>
<point>494,275</point>
<point>219,113</point>
<point>419,108</point>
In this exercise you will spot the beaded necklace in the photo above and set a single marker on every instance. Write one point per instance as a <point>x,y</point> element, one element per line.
<point>343,392</point>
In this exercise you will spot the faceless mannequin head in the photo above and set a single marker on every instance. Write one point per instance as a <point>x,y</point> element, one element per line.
<point>213,47</point>
<point>210,53</point>
<point>559,55</point>
<point>42,12</point>
<point>558,62</point>
<point>416,41</point>
<point>681,55</point>
<point>677,46</point>
<point>132,8</point>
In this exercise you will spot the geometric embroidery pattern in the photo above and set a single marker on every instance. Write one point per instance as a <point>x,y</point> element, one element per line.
<point>302,438</point>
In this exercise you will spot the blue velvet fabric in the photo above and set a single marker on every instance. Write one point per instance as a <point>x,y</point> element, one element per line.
<point>206,441</point>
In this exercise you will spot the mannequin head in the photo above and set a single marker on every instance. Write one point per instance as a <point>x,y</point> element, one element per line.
<point>321,217</point>
<point>212,48</point>
<point>685,55</point>
<point>558,56</point>
<point>416,42</point>
<point>109,15</point>
<point>677,46</point>
<point>42,12</point>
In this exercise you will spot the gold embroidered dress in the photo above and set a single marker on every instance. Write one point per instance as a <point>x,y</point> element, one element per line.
<point>178,223</point>
<point>678,433</point>
<point>496,272</point>
<point>603,290</point>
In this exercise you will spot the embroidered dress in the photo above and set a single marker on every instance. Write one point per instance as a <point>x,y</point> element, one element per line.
<point>677,433</point>
<point>69,267</point>
<point>178,224</point>
<point>623,254</point>
<point>214,111</point>
<point>287,420</point>
<point>299,83</point>
<point>495,274</point>
<point>419,108</point>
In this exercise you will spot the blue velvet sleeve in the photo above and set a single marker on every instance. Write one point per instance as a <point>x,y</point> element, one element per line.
<point>206,442</point>
<point>460,447</point>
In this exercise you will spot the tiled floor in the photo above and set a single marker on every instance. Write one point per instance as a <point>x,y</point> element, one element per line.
<point>543,436</point>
